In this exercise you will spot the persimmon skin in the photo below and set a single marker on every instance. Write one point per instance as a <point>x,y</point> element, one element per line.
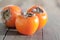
<point>27,26</point>
<point>42,16</point>
<point>14,12</point>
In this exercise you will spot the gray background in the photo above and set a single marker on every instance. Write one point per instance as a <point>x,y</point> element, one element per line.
<point>50,32</point>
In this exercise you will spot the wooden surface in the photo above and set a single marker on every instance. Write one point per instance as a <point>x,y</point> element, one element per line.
<point>50,32</point>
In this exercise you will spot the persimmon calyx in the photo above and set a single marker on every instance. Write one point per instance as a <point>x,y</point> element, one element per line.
<point>37,10</point>
<point>6,15</point>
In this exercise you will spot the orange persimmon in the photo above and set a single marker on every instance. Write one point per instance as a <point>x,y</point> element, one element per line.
<point>41,13</point>
<point>28,24</point>
<point>9,14</point>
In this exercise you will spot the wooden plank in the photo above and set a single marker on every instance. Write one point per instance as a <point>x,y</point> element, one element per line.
<point>52,29</point>
<point>2,31</point>
<point>14,35</point>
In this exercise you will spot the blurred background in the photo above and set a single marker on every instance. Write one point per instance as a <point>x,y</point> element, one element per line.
<point>52,29</point>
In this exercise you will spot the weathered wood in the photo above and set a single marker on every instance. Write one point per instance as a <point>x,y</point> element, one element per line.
<point>52,29</point>
<point>14,35</point>
<point>2,31</point>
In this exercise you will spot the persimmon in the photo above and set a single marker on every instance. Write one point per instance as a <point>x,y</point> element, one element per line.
<point>9,14</point>
<point>41,13</point>
<point>28,24</point>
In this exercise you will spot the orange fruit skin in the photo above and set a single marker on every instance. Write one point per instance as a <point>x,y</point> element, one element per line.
<point>14,11</point>
<point>42,16</point>
<point>27,26</point>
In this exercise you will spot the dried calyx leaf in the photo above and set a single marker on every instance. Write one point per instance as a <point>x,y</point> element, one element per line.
<point>30,14</point>
<point>6,14</point>
<point>37,10</point>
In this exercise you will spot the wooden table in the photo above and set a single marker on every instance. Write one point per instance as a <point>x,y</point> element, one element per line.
<point>50,32</point>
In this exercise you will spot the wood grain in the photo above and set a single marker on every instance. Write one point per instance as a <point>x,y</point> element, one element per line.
<point>14,35</point>
<point>2,31</point>
<point>52,29</point>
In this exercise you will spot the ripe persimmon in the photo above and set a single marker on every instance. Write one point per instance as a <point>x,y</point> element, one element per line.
<point>28,24</point>
<point>41,13</point>
<point>9,14</point>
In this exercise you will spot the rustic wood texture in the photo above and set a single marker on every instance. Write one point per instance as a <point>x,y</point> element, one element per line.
<point>14,35</point>
<point>50,32</point>
<point>3,30</point>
